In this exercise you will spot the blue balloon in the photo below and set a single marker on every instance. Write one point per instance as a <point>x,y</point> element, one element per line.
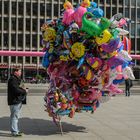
<point>118,81</point>
<point>45,60</point>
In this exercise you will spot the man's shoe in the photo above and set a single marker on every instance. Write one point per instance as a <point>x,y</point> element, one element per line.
<point>17,135</point>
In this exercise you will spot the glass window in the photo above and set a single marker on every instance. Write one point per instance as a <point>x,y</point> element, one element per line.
<point>108,12</point>
<point>35,9</point>
<point>133,15</point>
<point>14,8</point>
<point>6,23</point>
<point>0,41</point>
<point>102,1</point>
<point>20,8</point>
<point>20,40</point>
<point>34,60</point>
<point>34,25</point>
<point>13,59</point>
<point>108,1</point>
<point>42,9</point>
<point>27,60</point>
<point>133,44</point>
<point>34,41</point>
<point>41,22</point>
<point>121,10</point>
<point>6,7</point>
<point>138,3</point>
<point>133,29</point>
<point>138,30</point>
<point>5,40</point>
<point>133,2</point>
<point>27,40</point>
<point>127,2</point>
<point>20,59</point>
<point>120,2</point>
<point>28,8</point>
<point>0,23</point>
<point>20,24</point>
<point>48,10</point>
<point>56,10</point>
<point>28,23</point>
<point>5,59</point>
<point>126,12</point>
<point>13,23</point>
<point>13,39</point>
<point>0,6</point>
<point>138,44</point>
<point>138,14</point>
<point>114,10</point>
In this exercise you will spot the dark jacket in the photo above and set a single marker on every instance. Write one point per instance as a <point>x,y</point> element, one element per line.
<point>16,94</point>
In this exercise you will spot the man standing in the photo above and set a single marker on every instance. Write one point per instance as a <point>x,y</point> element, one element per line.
<point>16,97</point>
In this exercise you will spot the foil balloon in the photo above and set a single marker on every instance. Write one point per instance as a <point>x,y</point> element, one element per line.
<point>91,27</point>
<point>68,13</point>
<point>94,62</point>
<point>77,50</point>
<point>127,44</point>
<point>106,36</point>
<point>111,46</point>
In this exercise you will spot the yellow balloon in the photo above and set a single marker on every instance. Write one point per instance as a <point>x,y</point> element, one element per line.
<point>104,39</point>
<point>77,50</point>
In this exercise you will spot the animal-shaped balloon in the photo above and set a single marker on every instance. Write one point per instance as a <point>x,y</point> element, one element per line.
<point>91,28</point>
<point>68,14</point>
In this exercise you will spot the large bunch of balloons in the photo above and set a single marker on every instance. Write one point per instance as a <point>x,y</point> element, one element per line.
<point>86,55</point>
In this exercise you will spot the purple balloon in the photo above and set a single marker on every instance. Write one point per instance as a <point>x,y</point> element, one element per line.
<point>111,46</point>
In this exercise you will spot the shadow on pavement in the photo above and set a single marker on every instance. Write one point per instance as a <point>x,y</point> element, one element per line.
<point>42,127</point>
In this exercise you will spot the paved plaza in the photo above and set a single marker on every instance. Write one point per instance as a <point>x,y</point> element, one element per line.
<point>116,119</point>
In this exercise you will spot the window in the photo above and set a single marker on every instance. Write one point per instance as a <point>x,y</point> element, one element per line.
<point>13,39</point>
<point>138,44</point>
<point>133,15</point>
<point>127,2</point>
<point>120,2</point>
<point>6,7</point>
<point>0,41</point>
<point>34,60</point>
<point>108,12</point>
<point>13,59</point>
<point>6,23</point>
<point>102,1</point>
<point>108,1</point>
<point>133,44</point>
<point>35,9</point>
<point>27,60</point>
<point>34,25</point>
<point>121,10</point>
<point>48,10</point>
<point>42,9</point>
<point>56,10</point>
<point>138,3</point>
<point>114,10</point>
<point>28,22</point>
<point>5,40</point>
<point>138,14</point>
<point>20,40</point>
<point>138,30</point>
<point>133,2</point>
<point>41,22</point>
<point>28,8</point>
<point>14,8</point>
<point>34,41</point>
<point>20,24</point>
<point>133,29</point>
<point>0,6</point>
<point>20,8</point>
<point>28,40</point>
<point>20,59</point>
<point>13,23</point>
<point>5,59</point>
<point>126,12</point>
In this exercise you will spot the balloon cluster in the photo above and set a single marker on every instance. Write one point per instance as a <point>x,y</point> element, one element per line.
<point>84,57</point>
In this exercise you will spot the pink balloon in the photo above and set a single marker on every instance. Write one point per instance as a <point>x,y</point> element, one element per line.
<point>68,16</point>
<point>78,14</point>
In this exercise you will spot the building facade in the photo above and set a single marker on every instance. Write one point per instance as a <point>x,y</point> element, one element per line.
<point>20,22</point>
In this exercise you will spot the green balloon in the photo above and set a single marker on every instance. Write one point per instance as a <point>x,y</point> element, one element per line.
<point>91,27</point>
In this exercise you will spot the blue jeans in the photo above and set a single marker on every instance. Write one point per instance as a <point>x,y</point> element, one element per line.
<point>15,113</point>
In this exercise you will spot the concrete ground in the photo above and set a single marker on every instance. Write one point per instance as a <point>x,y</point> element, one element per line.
<point>116,119</point>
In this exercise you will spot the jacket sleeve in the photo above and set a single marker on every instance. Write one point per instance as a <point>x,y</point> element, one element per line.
<point>17,89</point>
